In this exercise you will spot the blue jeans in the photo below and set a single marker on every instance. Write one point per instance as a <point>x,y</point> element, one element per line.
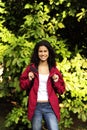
<point>44,110</point>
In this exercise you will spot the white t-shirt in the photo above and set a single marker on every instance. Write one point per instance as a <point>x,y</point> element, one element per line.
<point>42,90</point>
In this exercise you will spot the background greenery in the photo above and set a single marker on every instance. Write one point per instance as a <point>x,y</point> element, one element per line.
<point>64,24</point>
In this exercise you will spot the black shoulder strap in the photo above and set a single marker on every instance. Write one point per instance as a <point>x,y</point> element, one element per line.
<point>31,84</point>
<point>33,69</point>
<point>59,96</point>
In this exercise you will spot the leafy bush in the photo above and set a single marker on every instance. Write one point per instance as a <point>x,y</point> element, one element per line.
<point>75,98</point>
<point>17,119</point>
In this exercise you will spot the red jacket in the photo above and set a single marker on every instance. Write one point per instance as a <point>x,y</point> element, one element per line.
<point>52,96</point>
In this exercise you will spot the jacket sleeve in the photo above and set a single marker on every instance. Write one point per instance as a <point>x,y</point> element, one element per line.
<point>60,84</point>
<point>24,80</point>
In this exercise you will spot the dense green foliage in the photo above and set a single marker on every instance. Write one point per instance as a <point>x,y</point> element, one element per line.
<point>63,24</point>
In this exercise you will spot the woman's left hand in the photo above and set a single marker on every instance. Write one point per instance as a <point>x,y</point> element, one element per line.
<point>55,77</point>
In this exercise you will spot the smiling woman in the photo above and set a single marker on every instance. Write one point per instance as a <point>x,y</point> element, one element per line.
<point>43,101</point>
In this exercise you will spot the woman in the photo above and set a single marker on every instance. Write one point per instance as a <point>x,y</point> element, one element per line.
<point>47,81</point>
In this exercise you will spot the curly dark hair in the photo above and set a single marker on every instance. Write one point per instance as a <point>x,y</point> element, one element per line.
<point>51,59</point>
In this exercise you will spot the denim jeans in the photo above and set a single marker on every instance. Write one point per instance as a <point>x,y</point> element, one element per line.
<point>44,110</point>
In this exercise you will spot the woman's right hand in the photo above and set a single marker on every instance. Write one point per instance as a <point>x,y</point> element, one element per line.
<point>31,75</point>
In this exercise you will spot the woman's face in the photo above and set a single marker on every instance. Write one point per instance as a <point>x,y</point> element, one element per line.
<point>43,53</point>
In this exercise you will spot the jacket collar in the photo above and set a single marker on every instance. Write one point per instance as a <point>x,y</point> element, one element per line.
<point>35,71</point>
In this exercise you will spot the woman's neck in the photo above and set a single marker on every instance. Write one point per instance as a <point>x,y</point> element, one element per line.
<point>43,68</point>
<point>43,63</point>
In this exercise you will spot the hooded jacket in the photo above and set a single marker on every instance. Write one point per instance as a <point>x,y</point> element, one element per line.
<point>52,86</point>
